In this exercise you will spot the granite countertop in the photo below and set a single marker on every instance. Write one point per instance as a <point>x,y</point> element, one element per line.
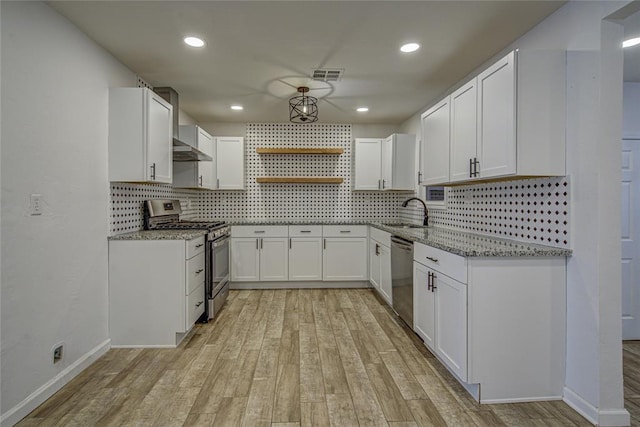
<point>303,222</point>
<point>457,242</point>
<point>160,235</point>
<point>472,245</point>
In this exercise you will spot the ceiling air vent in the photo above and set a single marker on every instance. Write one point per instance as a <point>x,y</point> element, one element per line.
<point>327,74</point>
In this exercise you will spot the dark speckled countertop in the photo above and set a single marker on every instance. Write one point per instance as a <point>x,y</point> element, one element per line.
<point>457,242</point>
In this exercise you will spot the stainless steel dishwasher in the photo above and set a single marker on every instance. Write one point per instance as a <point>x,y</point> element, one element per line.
<point>402,278</point>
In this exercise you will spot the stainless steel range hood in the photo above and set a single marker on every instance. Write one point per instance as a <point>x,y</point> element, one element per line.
<point>182,152</point>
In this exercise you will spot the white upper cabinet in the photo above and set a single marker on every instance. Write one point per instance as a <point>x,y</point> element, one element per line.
<point>496,119</point>
<point>368,163</point>
<point>229,158</point>
<point>509,121</point>
<point>463,151</point>
<point>195,174</point>
<point>387,164</point>
<point>140,136</point>
<point>435,143</point>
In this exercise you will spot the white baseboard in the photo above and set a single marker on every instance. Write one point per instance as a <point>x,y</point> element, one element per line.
<point>35,399</point>
<point>614,417</point>
<point>299,285</point>
<point>604,417</point>
<point>521,400</point>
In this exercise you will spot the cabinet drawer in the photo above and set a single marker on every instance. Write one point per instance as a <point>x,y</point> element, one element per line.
<point>195,273</point>
<point>260,231</point>
<point>344,230</point>
<point>447,263</point>
<point>305,231</point>
<point>194,247</point>
<point>195,306</point>
<point>381,236</point>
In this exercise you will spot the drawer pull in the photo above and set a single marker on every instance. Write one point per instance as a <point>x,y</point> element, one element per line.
<point>432,259</point>
<point>199,271</point>
<point>259,231</point>
<point>199,304</point>
<point>200,245</point>
<point>305,231</point>
<point>345,231</point>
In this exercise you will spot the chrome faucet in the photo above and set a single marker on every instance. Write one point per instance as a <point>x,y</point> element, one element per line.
<point>425,221</point>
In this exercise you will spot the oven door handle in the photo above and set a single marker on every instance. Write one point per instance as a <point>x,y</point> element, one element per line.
<point>218,243</point>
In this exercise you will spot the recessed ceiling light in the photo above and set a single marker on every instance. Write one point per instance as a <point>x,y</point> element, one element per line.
<point>194,41</point>
<point>631,42</point>
<point>409,47</point>
<point>362,109</point>
<point>237,107</point>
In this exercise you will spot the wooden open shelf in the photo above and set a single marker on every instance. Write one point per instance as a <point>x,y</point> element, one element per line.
<point>299,180</point>
<point>265,150</point>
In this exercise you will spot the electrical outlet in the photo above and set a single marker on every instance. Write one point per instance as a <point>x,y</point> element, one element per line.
<point>35,207</point>
<point>57,353</point>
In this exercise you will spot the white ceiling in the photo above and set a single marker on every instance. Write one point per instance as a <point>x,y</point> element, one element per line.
<point>257,53</point>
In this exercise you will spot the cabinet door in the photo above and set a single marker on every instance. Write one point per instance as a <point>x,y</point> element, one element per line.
<point>451,323</point>
<point>385,273</point>
<point>374,263</point>
<point>367,164</point>
<point>464,128</point>
<point>424,306</point>
<point>274,258</point>
<point>496,118</point>
<point>344,258</point>
<point>386,171</point>
<point>230,163</point>
<point>205,169</point>
<point>435,144</point>
<point>159,139</point>
<point>245,259</point>
<point>305,258</point>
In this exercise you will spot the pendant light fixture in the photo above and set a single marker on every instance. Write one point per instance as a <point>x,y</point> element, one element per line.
<point>303,108</point>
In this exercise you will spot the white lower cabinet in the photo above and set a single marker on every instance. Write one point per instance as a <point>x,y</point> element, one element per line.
<point>440,316</point>
<point>451,322</point>
<point>345,252</point>
<point>305,258</point>
<point>380,263</point>
<point>274,258</point>
<point>424,306</point>
<point>496,323</point>
<point>261,258</point>
<point>156,291</point>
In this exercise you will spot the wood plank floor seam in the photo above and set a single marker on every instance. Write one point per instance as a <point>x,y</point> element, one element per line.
<point>295,357</point>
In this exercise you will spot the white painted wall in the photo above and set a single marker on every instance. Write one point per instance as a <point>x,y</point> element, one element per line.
<point>55,84</point>
<point>631,111</point>
<point>594,361</point>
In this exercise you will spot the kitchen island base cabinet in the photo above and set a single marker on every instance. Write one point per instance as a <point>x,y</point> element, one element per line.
<point>156,291</point>
<point>499,328</point>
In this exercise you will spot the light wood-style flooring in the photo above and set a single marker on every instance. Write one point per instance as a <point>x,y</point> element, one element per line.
<point>292,358</point>
<point>631,364</point>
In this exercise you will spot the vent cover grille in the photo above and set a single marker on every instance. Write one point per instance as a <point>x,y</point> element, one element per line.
<point>327,74</point>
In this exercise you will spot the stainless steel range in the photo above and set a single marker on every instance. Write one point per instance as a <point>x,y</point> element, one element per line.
<point>164,214</point>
